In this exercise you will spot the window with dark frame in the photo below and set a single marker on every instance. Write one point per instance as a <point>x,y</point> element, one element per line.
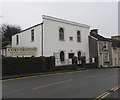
<point>32,35</point>
<point>17,39</point>
<point>79,55</point>
<point>61,34</point>
<point>78,36</point>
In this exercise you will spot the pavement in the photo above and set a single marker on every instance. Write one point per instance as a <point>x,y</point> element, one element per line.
<point>75,84</point>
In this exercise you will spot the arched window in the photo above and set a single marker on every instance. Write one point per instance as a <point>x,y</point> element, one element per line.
<point>78,36</point>
<point>61,34</point>
<point>62,56</point>
<point>79,55</point>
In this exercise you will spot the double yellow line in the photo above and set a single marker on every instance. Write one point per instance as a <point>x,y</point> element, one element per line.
<point>105,94</point>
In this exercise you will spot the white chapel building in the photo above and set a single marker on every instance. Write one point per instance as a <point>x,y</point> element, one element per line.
<point>53,37</point>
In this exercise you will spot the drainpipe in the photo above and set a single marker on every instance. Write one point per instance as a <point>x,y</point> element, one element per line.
<point>98,54</point>
<point>42,39</point>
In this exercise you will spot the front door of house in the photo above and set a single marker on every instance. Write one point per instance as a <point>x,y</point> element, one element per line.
<point>71,55</point>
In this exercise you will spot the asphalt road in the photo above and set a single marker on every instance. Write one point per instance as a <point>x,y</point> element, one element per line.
<point>79,84</point>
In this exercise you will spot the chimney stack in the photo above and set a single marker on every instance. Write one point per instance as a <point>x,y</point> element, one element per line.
<point>94,31</point>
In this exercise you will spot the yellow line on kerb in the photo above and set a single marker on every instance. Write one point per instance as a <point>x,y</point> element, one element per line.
<point>103,95</point>
<point>49,74</point>
<point>44,75</point>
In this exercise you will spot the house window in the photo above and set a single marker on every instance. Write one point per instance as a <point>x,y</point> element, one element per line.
<point>71,38</point>
<point>32,35</point>
<point>106,57</point>
<point>17,39</point>
<point>78,36</point>
<point>61,34</point>
<point>79,55</point>
<point>62,56</point>
<point>105,45</point>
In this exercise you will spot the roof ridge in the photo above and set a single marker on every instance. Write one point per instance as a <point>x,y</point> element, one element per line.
<point>65,21</point>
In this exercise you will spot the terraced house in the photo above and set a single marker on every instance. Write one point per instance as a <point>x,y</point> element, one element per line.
<point>115,50</point>
<point>53,37</point>
<point>100,48</point>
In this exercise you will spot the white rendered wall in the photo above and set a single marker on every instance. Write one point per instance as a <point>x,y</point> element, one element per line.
<point>25,39</point>
<point>115,54</point>
<point>53,44</point>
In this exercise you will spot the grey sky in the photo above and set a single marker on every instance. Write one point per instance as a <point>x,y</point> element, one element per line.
<point>103,16</point>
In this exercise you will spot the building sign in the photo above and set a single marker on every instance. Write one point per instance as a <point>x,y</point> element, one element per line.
<point>21,51</point>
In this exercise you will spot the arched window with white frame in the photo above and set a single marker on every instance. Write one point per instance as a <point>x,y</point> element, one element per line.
<point>61,34</point>
<point>78,36</point>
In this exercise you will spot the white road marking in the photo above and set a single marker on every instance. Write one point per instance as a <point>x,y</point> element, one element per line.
<point>52,84</point>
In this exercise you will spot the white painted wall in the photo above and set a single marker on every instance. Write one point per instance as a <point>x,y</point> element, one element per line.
<point>53,44</point>
<point>101,53</point>
<point>25,39</point>
<point>115,55</point>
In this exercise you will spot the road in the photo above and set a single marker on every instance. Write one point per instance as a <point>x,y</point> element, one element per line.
<point>76,84</point>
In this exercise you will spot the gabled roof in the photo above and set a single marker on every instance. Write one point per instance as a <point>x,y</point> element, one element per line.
<point>30,27</point>
<point>99,37</point>
<point>59,20</point>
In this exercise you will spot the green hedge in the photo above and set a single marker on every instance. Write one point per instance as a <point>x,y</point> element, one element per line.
<point>29,65</point>
<point>91,65</point>
<point>26,65</point>
<point>75,67</point>
<point>65,67</point>
<point>88,65</point>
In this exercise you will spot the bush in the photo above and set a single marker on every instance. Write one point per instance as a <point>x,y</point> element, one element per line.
<point>26,65</point>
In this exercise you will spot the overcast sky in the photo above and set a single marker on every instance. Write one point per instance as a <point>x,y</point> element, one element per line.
<point>103,16</point>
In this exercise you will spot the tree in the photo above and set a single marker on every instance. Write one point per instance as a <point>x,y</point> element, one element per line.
<point>7,32</point>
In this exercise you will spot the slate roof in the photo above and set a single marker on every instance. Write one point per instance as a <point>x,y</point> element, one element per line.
<point>30,27</point>
<point>99,37</point>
